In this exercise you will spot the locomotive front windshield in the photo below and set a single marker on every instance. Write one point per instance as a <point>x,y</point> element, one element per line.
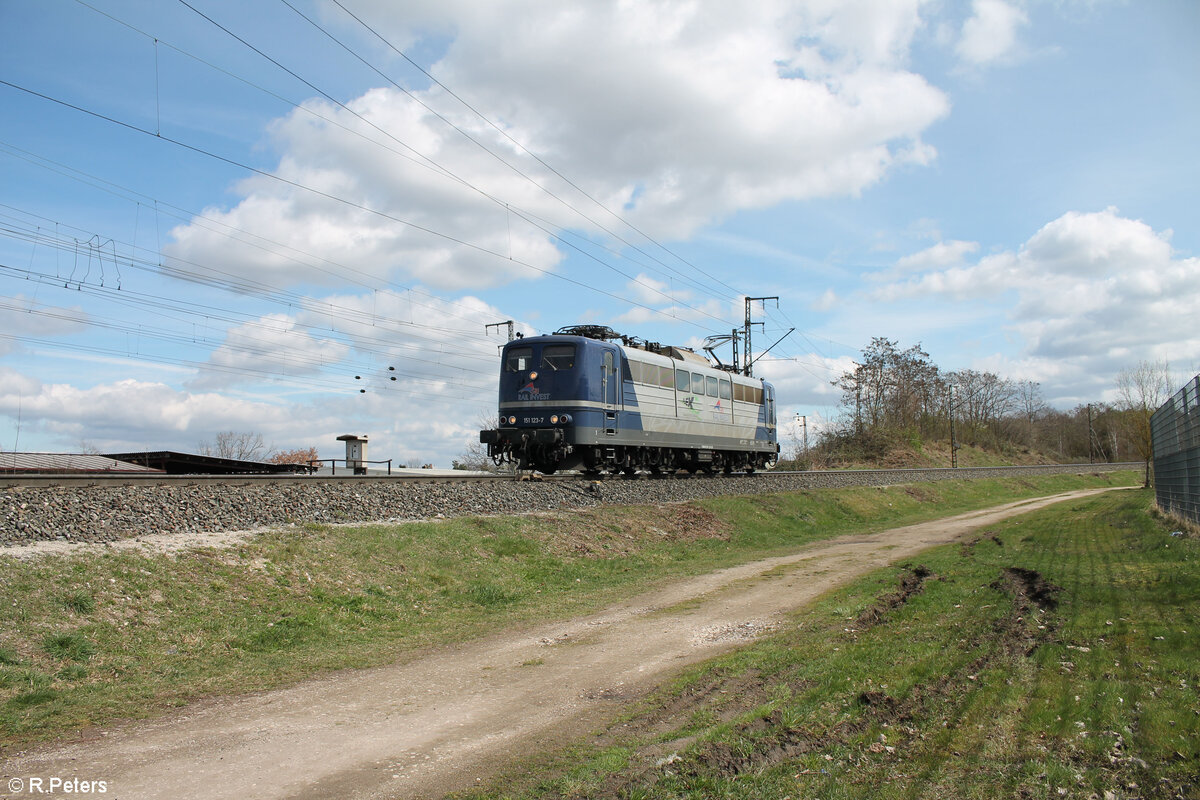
<point>553,358</point>
<point>558,356</point>
<point>518,359</point>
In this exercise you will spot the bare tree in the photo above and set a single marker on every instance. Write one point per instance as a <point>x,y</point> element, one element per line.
<point>475,456</point>
<point>1029,401</point>
<point>891,390</point>
<point>1141,390</point>
<point>244,446</point>
<point>984,400</point>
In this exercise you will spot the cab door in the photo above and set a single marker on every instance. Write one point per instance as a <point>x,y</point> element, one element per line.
<point>610,386</point>
<point>769,407</point>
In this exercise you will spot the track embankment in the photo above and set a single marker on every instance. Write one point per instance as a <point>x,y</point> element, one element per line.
<point>105,512</point>
<point>438,722</point>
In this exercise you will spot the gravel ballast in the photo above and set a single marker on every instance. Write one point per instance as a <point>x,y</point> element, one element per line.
<point>100,513</point>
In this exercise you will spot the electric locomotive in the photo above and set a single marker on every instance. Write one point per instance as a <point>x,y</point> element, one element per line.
<point>587,398</point>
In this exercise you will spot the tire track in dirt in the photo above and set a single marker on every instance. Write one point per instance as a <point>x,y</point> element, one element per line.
<point>443,719</point>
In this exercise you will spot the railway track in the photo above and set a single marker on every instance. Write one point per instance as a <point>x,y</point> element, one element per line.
<point>917,474</point>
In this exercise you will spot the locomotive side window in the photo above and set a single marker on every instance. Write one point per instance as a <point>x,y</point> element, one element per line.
<point>558,356</point>
<point>724,390</point>
<point>710,384</point>
<point>697,384</point>
<point>666,376</point>
<point>739,392</point>
<point>636,369</point>
<point>683,381</point>
<point>518,359</point>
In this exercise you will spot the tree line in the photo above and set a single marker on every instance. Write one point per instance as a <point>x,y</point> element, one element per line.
<point>896,399</point>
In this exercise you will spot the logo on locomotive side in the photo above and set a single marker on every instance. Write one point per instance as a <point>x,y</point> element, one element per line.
<point>530,392</point>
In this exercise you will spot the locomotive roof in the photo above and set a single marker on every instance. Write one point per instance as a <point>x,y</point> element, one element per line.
<point>639,347</point>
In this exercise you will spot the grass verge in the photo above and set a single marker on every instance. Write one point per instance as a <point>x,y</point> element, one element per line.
<point>95,637</point>
<point>1054,655</point>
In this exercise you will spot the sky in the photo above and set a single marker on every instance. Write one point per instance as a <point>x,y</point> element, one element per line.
<point>299,218</point>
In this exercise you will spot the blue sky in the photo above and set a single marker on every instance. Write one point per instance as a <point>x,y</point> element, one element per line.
<point>245,245</point>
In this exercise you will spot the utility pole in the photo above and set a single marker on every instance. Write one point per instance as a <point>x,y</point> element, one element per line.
<point>749,357</point>
<point>1091,435</point>
<point>858,412</point>
<point>498,325</point>
<point>953,440</point>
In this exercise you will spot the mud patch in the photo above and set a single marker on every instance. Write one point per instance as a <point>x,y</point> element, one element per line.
<point>912,582</point>
<point>968,547</point>
<point>1028,588</point>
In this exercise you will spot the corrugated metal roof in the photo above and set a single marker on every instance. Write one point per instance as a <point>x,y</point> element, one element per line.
<point>66,462</point>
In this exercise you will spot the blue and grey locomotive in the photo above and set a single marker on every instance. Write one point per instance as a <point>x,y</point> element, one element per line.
<point>587,398</point>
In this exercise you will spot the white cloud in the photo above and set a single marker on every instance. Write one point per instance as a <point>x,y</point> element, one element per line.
<point>939,256</point>
<point>272,344</point>
<point>990,34</point>
<point>680,113</point>
<point>826,302</point>
<point>1089,294</point>
<point>132,413</point>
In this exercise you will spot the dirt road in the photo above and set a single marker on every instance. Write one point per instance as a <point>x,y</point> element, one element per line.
<point>442,721</point>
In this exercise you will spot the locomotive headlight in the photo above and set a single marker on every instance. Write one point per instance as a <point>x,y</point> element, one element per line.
<point>554,419</point>
<point>533,376</point>
<point>512,420</point>
<point>565,419</point>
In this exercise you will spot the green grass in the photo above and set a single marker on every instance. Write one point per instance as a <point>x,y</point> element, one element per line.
<point>1057,655</point>
<point>92,638</point>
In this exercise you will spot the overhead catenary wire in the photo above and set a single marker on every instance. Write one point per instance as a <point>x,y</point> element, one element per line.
<point>351,111</point>
<point>224,281</point>
<point>350,203</point>
<point>420,160</point>
<point>426,391</point>
<point>500,130</point>
<point>346,316</point>
<point>352,326</point>
<point>192,217</point>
